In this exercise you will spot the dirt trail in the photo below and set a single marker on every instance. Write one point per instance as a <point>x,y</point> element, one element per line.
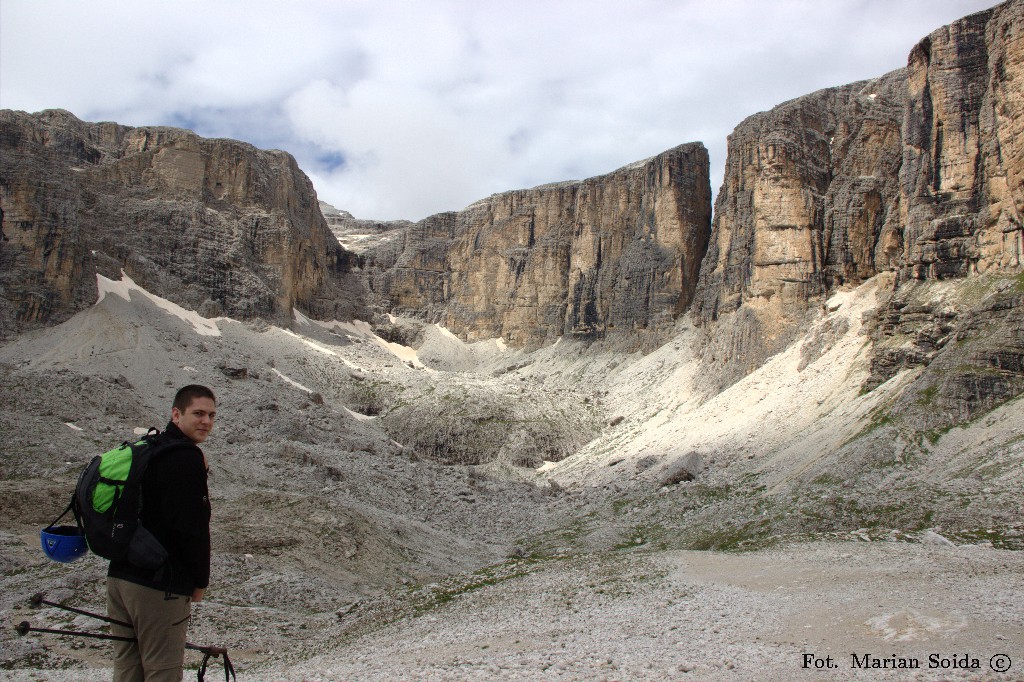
<point>710,616</point>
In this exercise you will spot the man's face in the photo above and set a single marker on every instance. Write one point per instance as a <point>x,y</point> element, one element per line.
<point>196,421</point>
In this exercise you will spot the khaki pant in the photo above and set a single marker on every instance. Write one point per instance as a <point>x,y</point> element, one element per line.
<point>160,621</point>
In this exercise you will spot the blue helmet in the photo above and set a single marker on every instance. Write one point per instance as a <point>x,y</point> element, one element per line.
<point>63,543</point>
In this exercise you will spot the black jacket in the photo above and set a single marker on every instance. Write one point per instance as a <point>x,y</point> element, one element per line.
<point>176,510</point>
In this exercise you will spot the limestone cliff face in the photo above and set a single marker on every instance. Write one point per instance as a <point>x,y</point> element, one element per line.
<point>215,225</point>
<point>962,186</point>
<point>615,253</point>
<point>963,161</point>
<point>919,173</point>
<point>810,201</point>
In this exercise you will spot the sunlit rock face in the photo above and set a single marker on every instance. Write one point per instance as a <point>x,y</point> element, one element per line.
<point>962,187</point>
<point>810,201</point>
<point>610,254</point>
<point>919,173</point>
<point>215,225</point>
<point>963,160</point>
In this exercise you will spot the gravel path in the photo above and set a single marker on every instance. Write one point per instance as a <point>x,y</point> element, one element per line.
<point>708,616</point>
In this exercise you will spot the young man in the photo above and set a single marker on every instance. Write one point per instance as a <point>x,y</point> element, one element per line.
<point>176,510</point>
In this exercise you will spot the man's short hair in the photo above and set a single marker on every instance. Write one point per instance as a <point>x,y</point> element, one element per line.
<point>185,395</point>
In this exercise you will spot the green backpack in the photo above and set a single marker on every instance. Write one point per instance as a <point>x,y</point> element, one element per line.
<point>108,499</point>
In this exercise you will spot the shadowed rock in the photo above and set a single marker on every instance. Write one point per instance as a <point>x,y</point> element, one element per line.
<point>215,225</point>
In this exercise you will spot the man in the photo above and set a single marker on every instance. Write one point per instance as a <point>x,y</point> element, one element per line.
<point>176,510</point>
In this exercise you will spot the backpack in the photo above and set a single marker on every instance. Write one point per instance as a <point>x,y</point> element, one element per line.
<point>108,499</point>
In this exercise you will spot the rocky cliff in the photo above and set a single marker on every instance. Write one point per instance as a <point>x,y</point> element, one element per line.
<point>962,183</point>
<point>957,314</point>
<point>916,173</point>
<point>963,156</point>
<point>615,253</point>
<point>919,173</point>
<point>810,201</point>
<point>215,225</point>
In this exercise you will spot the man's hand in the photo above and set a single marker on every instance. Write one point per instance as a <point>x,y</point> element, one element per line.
<point>197,594</point>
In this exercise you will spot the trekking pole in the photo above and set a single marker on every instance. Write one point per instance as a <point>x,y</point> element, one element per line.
<point>213,652</point>
<point>24,627</point>
<point>36,600</point>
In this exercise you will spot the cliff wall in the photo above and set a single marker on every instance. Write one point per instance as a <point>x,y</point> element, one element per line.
<point>616,253</point>
<point>918,173</point>
<point>963,157</point>
<point>962,187</point>
<point>810,201</point>
<point>215,225</point>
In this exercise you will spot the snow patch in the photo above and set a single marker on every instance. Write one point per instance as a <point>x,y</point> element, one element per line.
<point>126,286</point>
<point>403,353</point>
<point>447,333</point>
<point>320,347</point>
<point>291,381</point>
<point>363,330</point>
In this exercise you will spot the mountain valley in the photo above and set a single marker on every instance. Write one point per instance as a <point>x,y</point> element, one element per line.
<point>589,430</point>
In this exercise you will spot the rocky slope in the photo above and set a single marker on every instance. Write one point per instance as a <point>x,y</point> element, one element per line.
<point>317,505</point>
<point>216,225</point>
<point>337,534</point>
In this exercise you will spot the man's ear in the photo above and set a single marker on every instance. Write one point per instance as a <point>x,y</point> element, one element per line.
<point>175,415</point>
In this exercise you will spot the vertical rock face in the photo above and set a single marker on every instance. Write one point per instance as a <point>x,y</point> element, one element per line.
<point>963,161</point>
<point>962,185</point>
<point>862,230</point>
<point>920,172</point>
<point>215,225</point>
<point>620,252</point>
<point>809,201</point>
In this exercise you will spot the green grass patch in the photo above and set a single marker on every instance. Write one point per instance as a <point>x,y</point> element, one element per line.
<point>480,579</point>
<point>879,418</point>
<point>999,538</point>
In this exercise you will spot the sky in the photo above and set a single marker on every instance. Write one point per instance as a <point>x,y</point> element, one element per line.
<point>400,109</point>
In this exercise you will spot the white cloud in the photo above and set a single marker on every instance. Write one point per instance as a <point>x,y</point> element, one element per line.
<point>434,105</point>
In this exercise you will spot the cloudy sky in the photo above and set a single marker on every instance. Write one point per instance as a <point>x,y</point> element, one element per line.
<point>401,109</point>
